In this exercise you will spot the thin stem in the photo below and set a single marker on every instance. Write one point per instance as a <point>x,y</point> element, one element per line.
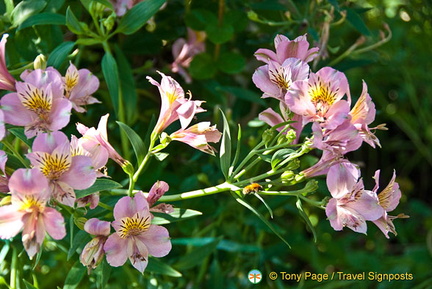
<point>14,269</point>
<point>200,193</point>
<point>15,153</point>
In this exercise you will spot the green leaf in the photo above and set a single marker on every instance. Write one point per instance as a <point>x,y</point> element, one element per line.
<point>279,156</point>
<point>74,276</point>
<point>237,19</point>
<point>197,255</point>
<point>46,18</point>
<point>99,185</point>
<point>263,219</point>
<point>306,218</point>
<point>178,215</point>
<point>73,24</point>
<point>355,20</point>
<point>58,55</point>
<point>19,133</point>
<point>128,88</point>
<point>219,34</point>
<point>136,17</point>
<point>23,10</point>
<point>225,148</point>
<point>136,141</point>
<point>230,62</point>
<point>198,19</point>
<point>79,240</point>
<point>202,66</point>
<point>110,72</point>
<point>28,285</point>
<point>158,267</point>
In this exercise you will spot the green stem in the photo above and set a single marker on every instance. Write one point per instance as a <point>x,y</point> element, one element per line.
<point>14,269</point>
<point>200,193</point>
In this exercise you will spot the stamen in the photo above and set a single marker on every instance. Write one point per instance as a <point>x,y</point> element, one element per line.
<point>36,100</point>
<point>30,203</point>
<point>133,226</point>
<point>53,166</point>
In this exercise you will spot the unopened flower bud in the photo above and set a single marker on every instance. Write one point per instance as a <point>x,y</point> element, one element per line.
<point>127,167</point>
<point>40,62</point>
<point>287,176</point>
<point>268,135</point>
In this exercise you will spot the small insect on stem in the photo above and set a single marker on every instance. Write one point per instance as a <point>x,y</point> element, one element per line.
<point>252,188</point>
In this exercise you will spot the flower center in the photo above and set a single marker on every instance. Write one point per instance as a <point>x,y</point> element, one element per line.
<point>36,100</point>
<point>71,79</point>
<point>322,96</point>
<point>53,166</point>
<point>31,204</point>
<point>280,77</point>
<point>133,226</point>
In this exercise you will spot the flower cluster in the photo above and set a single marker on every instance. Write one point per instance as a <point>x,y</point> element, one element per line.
<point>323,98</point>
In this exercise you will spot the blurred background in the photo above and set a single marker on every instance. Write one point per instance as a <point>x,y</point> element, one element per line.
<point>385,43</point>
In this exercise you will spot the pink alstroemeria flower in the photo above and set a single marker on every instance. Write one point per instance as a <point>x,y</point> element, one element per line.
<point>174,105</point>
<point>285,48</point>
<point>65,173</point>
<point>93,253</point>
<point>276,79</point>
<point>184,51</point>
<point>363,114</point>
<point>388,199</point>
<point>28,211</point>
<point>351,205</point>
<point>198,136</point>
<point>156,192</point>
<point>319,99</point>
<point>121,6</point>
<point>39,104</point>
<point>79,86</point>
<point>4,179</point>
<point>135,237</point>
<point>7,82</point>
<point>95,142</point>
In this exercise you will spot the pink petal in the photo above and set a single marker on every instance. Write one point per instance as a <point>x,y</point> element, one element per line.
<point>97,227</point>
<point>81,174</point>
<point>116,250</point>
<point>139,256</point>
<point>14,111</point>
<point>26,182</point>
<point>47,142</point>
<point>128,207</point>
<point>342,178</point>
<point>54,223</point>
<point>157,240</point>
<point>10,221</point>
<point>60,113</point>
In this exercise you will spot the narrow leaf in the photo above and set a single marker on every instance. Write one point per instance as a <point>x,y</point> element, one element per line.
<point>306,218</point>
<point>46,18</point>
<point>28,285</point>
<point>265,204</point>
<point>136,141</point>
<point>58,55</point>
<point>263,219</point>
<point>24,9</point>
<point>110,72</point>
<point>73,23</point>
<point>128,88</point>
<point>225,148</point>
<point>178,215</point>
<point>78,241</point>
<point>355,20</point>
<point>74,276</point>
<point>19,133</point>
<point>136,17</point>
<point>196,256</point>
<point>158,267</point>
<point>99,185</point>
